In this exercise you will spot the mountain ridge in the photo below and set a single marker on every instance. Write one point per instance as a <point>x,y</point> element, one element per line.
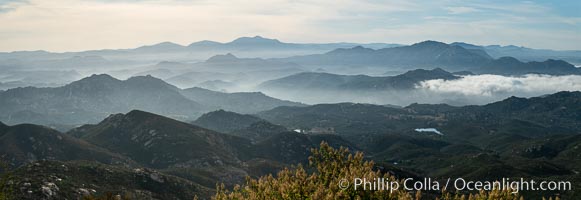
<point>452,57</point>
<point>25,143</point>
<point>318,80</point>
<point>92,98</point>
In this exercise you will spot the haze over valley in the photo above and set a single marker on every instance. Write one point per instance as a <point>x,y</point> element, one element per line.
<point>254,99</point>
<point>330,73</point>
<point>200,115</point>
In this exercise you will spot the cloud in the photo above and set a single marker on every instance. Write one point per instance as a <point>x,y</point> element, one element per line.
<point>469,90</point>
<point>61,25</point>
<point>503,86</point>
<point>73,25</point>
<point>461,10</point>
<point>525,7</point>
<point>10,5</point>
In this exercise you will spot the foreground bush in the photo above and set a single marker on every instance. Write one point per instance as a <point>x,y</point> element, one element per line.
<point>330,166</point>
<point>5,189</point>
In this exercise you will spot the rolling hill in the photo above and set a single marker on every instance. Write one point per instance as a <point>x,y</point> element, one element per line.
<point>160,142</point>
<point>83,179</point>
<point>93,98</point>
<point>241,102</point>
<point>26,143</point>
<point>517,137</point>
<point>246,126</point>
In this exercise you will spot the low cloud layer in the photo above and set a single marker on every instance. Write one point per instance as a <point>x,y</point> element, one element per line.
<point>469,90</point>
<point>491,86</point>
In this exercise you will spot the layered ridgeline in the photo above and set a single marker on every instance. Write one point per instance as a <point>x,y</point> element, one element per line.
<point>247,126</point>
<point>246,46</point>
<point>506,136</point>
<point>536,138</point>
<point>517,137</point>
<point>147,147</point>
<point>316,87</point>
<point>454,53</point>
<point>53,165</point>
<point>227,68</point>
<point>43,69</point>
<point>431,54</point>
<point>524,53</point>
<point>555,113</point>
<point>241,102</point>
<point>433,86</point>
<point>213,64</point>
<point>327,81</point>
<point>25,143</point>
<point>191,151</point>
<point>91,99</point>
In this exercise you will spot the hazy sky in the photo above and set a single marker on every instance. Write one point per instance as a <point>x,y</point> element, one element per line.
<point>72,25</point>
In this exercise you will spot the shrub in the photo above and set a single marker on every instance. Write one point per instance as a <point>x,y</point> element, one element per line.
<point>330,166</point>
<point>5,188</point>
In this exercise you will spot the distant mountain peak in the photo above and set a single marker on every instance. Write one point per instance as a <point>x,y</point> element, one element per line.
<point>355,49</point>
<point>225,121</point>
<point>466,45</point>
<point>164,45</point>
<point>222,58</point>
<point>98,78</point>
<point>204,42</point>
<point>113,118</point>
<point>431,43</point>
<point>566,94</point>
<point>423,74</point>
<point>167,44</point>
<point>140,114</point>
<point>508,59</point>
<point>144,78</point>
<point>259,40</point>
<point>224,113</point>
<point>460,43</point>
<point>361,48</point>
<point>558,62</point>
<point>439,70</point>
<point>149,81</point>
<point>131,116</point>
<point>435,70</point>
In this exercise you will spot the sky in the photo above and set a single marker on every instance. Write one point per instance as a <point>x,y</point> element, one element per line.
<point>76,25</point>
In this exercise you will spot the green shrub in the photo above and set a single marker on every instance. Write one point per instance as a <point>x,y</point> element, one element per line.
<point>5,188</point>
<point>330,166</point>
